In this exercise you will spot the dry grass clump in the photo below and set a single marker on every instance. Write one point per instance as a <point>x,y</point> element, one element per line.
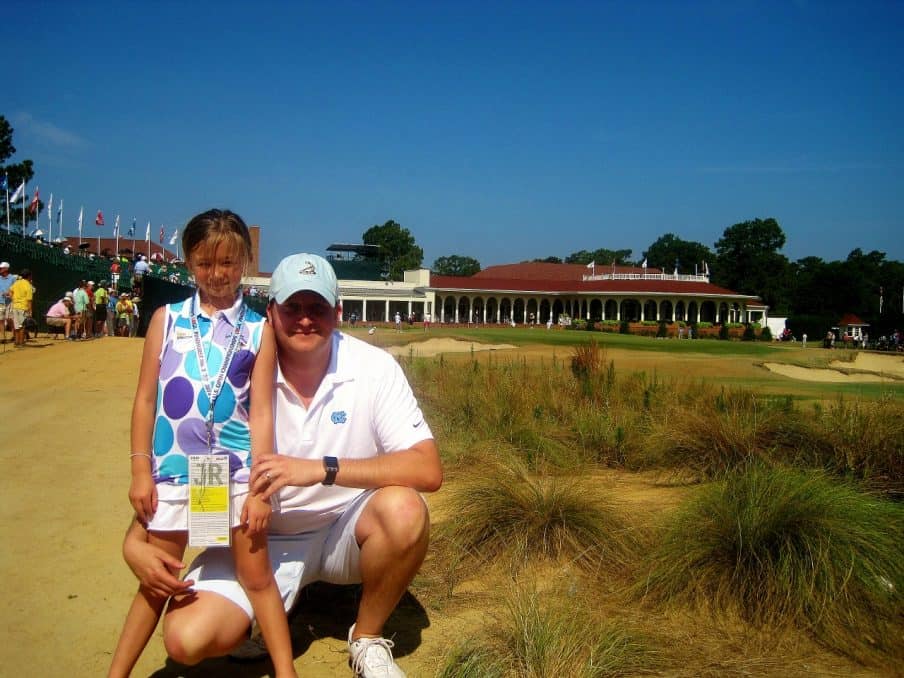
<point>542,636</point>
<point>779,546</point>
<point>503,513</point>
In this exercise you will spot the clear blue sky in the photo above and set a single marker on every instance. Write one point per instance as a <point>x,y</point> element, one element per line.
<point>501,131</point>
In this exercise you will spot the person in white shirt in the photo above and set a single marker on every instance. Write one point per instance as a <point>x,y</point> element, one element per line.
<point>354,454</point>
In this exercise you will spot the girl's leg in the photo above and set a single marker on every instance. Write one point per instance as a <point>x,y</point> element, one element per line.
<point>252,567</point>
<point>145,611</point>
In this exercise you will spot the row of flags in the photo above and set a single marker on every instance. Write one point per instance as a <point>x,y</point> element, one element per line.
<point>35,203</point>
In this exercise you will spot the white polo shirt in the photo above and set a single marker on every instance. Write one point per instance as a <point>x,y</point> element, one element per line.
<point>363,408</point>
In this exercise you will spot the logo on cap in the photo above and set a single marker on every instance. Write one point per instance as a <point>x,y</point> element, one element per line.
<point>308,268</point>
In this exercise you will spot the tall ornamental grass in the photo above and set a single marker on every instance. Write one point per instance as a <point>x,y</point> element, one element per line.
<point>505,514</point>
<point>561,416</point>
<point>542,636</point>
<point>780,546</point>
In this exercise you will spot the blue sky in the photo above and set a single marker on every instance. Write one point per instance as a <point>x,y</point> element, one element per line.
<point>501,131</point>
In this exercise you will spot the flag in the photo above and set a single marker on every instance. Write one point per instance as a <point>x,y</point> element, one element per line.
<point>161,235</point>
<point>4,183</point>
<point>35,201</point>
<point>60,217</point>
<point>116,227</point>
<point>705,268</point>
<point>99,219</point>
<point>172,240</point>
<point>19,192</point>
<point>132,228</point>
<point>81,218</point>
<point>644,264</point>
<point>592,264</point>
<point>50,210</point>
<point>147,232</point>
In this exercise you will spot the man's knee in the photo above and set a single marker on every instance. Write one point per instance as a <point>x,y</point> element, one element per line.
<point>402,514</point>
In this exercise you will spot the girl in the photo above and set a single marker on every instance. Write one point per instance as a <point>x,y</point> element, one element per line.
<point>206,386</point>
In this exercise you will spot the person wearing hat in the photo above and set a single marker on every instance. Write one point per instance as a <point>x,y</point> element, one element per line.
<point>354,454</point>
<point>6,281</point>
<point>21,294</point>
<point>61,314</point>
<point>82,311</point>
<point>124,314</point>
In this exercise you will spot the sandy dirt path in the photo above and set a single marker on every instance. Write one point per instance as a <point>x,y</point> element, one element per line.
<point>65,408</point>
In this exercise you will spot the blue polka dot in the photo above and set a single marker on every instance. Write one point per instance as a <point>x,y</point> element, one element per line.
<point>225,405</point>
<point>183,323</point>
<point>174,467</point>
<point>214,361</point>
<point>163,436</point>
<point>235,436</point>
<point>203,403</point>
<point>191,366</point>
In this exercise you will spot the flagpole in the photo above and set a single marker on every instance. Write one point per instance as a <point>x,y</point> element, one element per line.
<point>7,206</point>
<point>23,209</point>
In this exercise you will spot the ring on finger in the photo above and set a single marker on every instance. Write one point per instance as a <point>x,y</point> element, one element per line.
<point>267,475</point>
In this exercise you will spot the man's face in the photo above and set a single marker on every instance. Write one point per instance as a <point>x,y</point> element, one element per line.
<point>4,272</point>
<point>303,324</point>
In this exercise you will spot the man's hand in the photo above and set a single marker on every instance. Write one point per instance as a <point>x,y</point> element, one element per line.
<point>276,471</point>
<point>154,568</point>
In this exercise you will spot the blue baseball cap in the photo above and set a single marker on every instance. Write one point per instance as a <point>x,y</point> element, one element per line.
<point>304,273</point>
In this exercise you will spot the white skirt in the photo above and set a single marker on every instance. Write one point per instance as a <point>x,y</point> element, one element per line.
<point>172,507</point>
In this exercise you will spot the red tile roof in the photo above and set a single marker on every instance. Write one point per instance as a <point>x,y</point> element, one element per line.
<point>850,319</point>
<point>568,278</point>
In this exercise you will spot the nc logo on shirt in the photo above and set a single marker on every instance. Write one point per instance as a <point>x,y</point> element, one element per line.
<point>338,417</point>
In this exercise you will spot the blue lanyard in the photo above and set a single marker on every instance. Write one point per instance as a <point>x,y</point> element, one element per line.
<point>213,389</point>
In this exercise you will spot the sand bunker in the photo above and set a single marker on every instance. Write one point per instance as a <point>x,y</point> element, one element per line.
<point>871,367</point>
<point>432,347</point>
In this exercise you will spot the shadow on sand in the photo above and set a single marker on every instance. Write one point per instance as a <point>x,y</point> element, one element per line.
<point>322,611</point>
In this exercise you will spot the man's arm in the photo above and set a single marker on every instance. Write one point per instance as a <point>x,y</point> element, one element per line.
<point>418,467</point>
<point>154,568</point>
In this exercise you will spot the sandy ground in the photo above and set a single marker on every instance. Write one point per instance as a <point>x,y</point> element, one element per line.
<point>66,586</point>
<point>66,407</point>
<point>866,367</point>
<point>432,347</point>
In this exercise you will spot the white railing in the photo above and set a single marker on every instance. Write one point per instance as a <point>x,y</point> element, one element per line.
<point>679,277</point>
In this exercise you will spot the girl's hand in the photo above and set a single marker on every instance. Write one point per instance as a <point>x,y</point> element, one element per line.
<point>143,496</point>
<point>256,513</point>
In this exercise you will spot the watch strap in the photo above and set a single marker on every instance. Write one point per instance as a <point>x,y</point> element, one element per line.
<point>330,468</point>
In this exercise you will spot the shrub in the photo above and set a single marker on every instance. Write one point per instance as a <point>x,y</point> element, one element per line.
<point>663,331</point>
<point>749,334</point>
<point>624,328</point>
<point>703,325</point>
<point>552,635</point>
<point>783,546</point>
<point>723,332</point>
<point>766,334</point>
<point>503,512</point>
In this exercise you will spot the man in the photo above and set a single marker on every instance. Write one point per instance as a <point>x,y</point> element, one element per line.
<point>61,314</point>
<point>100,309</point>
<point>354,454</point>
<point>82,318</point>
<point>21,295</point>
<point>6,281</point>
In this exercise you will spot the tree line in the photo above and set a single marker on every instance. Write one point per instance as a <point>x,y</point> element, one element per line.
<point>812,292</point>
<point>746,259</point>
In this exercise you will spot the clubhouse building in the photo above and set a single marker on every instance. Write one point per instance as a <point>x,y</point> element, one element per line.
<point>535,292</point>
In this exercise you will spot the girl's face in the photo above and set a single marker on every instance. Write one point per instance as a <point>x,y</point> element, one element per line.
<point>217,269</point>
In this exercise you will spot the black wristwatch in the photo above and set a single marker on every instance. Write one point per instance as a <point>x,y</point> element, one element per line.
<point>331,467</point>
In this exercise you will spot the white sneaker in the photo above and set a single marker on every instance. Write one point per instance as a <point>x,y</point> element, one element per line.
<point>372,657</point>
